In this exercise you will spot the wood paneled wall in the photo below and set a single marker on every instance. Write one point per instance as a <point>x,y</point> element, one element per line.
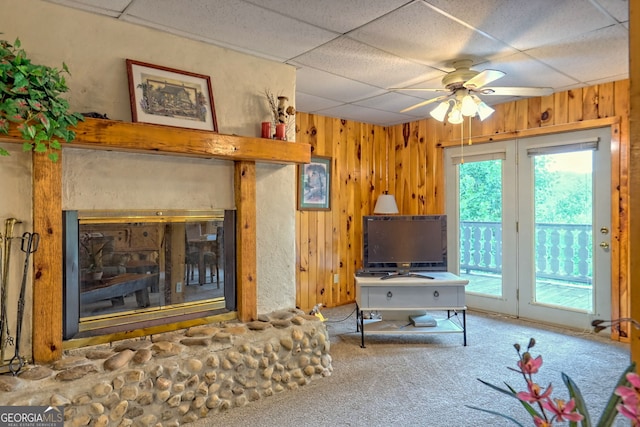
<point>407,160</point>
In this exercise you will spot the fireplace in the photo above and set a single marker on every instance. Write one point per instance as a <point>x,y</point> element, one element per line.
<point>129,270</point>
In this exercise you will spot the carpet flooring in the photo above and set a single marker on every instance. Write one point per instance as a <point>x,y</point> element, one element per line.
<point>427,380</point>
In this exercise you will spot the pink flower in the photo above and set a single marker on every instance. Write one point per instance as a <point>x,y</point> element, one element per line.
<point>630,412</point>
<point>529,365</point>
<point>562,411</point>
<point>630,398</point>
<point>534,394</point>
<point>539,422</point>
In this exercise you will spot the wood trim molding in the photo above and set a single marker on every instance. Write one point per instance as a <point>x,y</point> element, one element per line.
<point>524,133</point>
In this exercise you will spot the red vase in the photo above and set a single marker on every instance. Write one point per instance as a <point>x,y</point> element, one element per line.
<point>266,130</point>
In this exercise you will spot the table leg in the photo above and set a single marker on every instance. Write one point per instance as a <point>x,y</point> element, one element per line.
<point>464,326</point>
<point>202,268</point>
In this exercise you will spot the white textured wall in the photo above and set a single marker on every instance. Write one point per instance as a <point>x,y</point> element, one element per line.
<point>276,238</point>
<point>95,48</point>
<point>109,180</point>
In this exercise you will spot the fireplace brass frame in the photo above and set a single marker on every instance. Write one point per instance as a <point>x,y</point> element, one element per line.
<point>106,328</point>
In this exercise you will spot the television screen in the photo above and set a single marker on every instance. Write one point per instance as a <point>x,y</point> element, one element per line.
<point>405,243</point>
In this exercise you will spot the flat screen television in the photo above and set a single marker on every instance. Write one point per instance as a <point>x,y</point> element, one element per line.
<point>404,243</point>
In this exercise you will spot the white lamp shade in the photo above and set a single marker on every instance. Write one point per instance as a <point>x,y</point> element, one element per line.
<point>455,116</point>
<point>440,111</point>
<point>468,106</point>
<point>484,110</point>
<point>386,204</point>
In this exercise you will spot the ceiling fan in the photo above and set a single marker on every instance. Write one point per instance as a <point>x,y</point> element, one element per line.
<point>463,86</point>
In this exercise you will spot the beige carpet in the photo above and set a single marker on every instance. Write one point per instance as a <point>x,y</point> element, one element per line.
<point>427,380</point>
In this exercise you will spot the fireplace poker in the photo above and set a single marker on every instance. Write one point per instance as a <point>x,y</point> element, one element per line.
<point>5,336</point>
<point>29,245</point>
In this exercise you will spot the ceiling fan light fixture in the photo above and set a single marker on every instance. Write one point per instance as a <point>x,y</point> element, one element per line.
<point>484,110</point>
<point>440,111</point>
<point>468,106</point>
<point>455,116</point>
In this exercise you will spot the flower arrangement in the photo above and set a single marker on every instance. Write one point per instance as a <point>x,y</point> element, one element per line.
<point>547,411</point>
<point>281,112</point>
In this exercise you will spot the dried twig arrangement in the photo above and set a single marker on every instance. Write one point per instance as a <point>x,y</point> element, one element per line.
<point>280,112</point>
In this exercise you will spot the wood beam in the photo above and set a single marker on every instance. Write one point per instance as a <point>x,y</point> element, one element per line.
<point>245,194</point>
<point>47,261</point>
<point>99,134</point>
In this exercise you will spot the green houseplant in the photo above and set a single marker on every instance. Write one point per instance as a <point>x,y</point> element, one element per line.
<point>30,99</point>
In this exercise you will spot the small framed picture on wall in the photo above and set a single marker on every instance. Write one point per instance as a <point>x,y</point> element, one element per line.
<point>314,184</point>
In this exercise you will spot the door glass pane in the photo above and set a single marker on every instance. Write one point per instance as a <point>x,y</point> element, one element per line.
<point>563,212</point>
<point>481,226</point>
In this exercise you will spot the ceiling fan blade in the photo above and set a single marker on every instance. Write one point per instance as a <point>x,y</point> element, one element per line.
<point>517,91</point>
<point>423,103</point>
<point>483,78</point>
<point>420,89</point>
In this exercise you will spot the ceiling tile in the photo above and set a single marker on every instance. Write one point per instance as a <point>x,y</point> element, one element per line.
<point>523,70</point>
<point>231,23</point>
<point>363,63</point>
<point>584,57</point>
<point>335,15</point>
<point>393,102</point>
<point>419,33</point>
<point>619,9</point>
<point>330,86</point>
<point>311,103</point>
<point>524,24</point>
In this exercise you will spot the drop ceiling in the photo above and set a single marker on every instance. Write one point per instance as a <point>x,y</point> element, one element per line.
<point>349,53</point>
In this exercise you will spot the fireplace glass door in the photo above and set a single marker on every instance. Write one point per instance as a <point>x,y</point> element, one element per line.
<point>145,270</point>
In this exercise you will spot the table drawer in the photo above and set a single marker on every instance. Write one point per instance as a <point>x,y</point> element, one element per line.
<point>413,296</point>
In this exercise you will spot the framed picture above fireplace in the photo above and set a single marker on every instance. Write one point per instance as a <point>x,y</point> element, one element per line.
<point>166,96</point>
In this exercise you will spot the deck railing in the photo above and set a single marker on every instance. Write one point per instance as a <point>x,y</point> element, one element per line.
<point>563,251</point>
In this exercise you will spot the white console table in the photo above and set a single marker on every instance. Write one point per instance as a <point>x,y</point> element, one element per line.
<point>399,297</point>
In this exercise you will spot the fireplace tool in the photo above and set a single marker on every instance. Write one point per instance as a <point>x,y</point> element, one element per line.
<point>29,245</point>
<point>5,337</point>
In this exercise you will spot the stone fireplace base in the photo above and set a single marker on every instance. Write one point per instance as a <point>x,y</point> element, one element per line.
<point>177,377</point>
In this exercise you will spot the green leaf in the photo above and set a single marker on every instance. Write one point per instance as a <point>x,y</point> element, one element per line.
<point>40,147</point>
<point>30,97</point>
<point>575,393</point>
<point>496,413</point>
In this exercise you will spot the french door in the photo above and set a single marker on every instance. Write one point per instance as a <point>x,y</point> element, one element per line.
<point>529,225</point>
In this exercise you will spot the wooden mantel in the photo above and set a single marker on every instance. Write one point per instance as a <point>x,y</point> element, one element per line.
<point>150,139</point>
<point>114,135</point>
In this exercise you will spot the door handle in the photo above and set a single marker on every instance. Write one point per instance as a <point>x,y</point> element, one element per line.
<point>604,230</point>
<point>604,245</point>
